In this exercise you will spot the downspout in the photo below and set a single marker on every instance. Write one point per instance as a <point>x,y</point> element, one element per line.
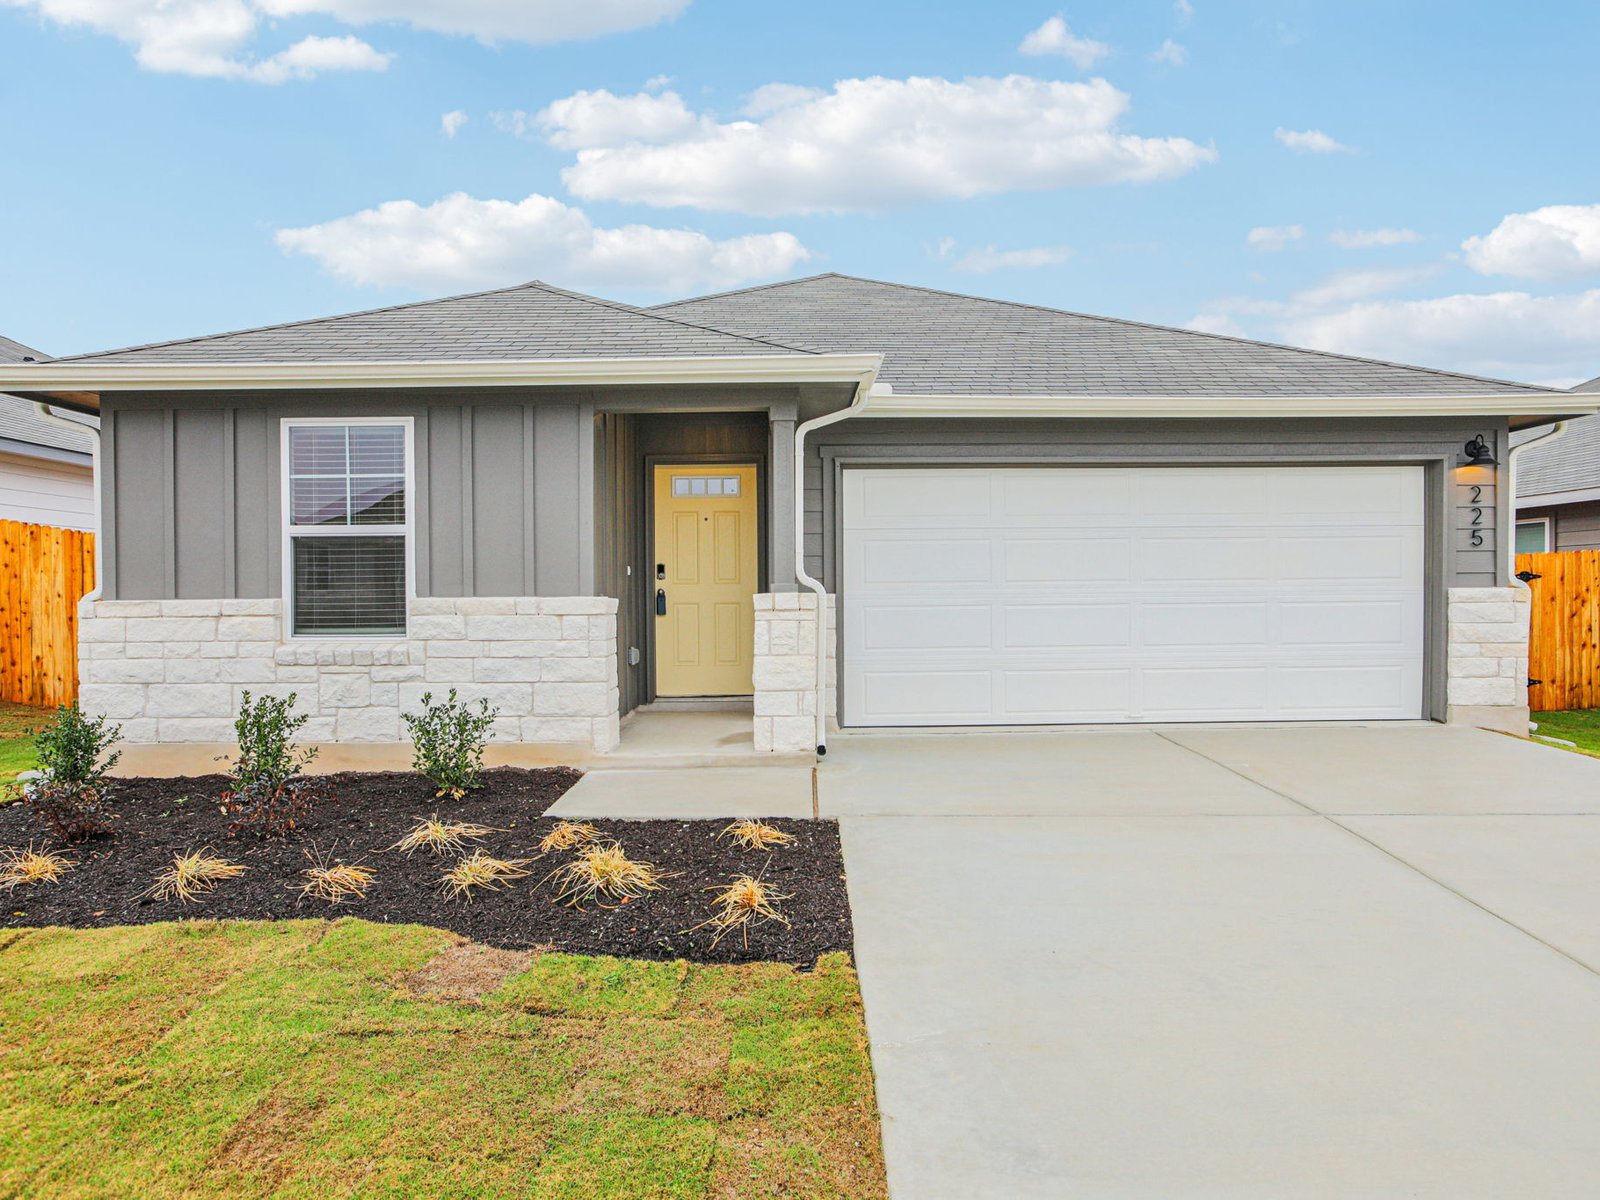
<point>93,432</point>
<point>857,403</point>
<point>1556,431</point>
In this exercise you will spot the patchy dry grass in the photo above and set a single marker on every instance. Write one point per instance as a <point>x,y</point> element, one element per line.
<point>18,724</point>
<point>756,835</point>
<point>310,1058</point>
<point>25,868</point>
<point>604,873</point>
<point>192,875</point>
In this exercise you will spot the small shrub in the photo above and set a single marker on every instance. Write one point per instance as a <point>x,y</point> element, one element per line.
<point>604,872</point>
<point>564,835</point>
<point>479,870</point>
<point>327,878</point>
<point>742,903</point>
<point>73,789</point>
<point>269,793</point>
<point>30,866</point>
<point>447,743</point>
<point>192,875</point>
<point>756,835</point>
<point>430,833</point>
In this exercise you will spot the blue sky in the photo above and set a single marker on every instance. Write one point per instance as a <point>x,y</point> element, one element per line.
<point>1409,180</point>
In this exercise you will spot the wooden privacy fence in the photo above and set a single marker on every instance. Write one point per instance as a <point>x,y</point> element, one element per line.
<point>1563,645</point>
<point>44,572</point>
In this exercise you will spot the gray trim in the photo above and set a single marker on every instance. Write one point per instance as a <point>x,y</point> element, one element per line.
<point>45,453</point>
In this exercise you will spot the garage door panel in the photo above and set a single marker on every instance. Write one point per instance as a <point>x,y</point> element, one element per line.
<point>926,627</point>
<point>1130,594</point>
<point>899,562</point>
<point>1066,560</point>
<point>1085,694</point>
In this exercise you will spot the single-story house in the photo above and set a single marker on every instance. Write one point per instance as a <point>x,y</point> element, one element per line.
<point>46,470</point>
<point>842,499</point>
<point>1558,488</point>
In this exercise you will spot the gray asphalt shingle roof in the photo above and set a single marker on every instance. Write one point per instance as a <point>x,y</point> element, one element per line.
<point>941,343</point>
<point>19,422</point>
<point>1571,463</point>
<point>528,322</point>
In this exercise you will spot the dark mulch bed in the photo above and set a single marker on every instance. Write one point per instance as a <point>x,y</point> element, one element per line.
<point>162,817</point>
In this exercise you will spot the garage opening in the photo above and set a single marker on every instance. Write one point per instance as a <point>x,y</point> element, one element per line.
<point>1061,595</point>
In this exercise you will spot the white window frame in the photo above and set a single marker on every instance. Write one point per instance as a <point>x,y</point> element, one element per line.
<point>1549,534</point>
<point>290,532</point>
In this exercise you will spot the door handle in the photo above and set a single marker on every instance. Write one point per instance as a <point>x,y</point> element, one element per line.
<point>661,602</point>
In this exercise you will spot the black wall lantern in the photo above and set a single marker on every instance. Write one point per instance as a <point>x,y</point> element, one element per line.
<point>1479,454</point>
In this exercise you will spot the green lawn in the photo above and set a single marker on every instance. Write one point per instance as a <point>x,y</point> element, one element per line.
<point>295,1059</point>
<point>1579,725</point>
<point>18,724</point>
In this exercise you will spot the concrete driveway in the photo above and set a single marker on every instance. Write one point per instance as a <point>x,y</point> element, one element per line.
<point>1324,962</point>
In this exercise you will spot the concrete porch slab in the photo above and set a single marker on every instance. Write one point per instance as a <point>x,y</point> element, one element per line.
<point>672,793</point>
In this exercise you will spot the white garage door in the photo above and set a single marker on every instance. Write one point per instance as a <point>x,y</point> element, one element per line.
<point>1050,595</point>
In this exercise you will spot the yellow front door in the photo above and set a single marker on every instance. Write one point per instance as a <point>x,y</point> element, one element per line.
<point>705,576</point>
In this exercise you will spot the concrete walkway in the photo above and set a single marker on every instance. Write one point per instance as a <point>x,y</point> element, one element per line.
<point>1337,962</point>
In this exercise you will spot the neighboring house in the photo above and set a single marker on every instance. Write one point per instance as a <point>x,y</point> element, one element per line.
<point>1558,488</point>
<point>573,507</point>
<point>46,472</point>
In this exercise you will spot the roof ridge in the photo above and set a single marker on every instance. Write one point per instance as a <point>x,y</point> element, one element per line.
<point>635,310</point>
<point>1125,321</point>
<point>532,284</point>
<point>761,287</point>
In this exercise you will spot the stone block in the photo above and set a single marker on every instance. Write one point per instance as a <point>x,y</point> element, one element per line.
<point>606,733</point>
<point>122,670</point>
<point>555,729</point>
<point>253,629</point>
<point>574,627</point>
<point>112,699</point>
<point>432,606</point>
<point>507,670</point>
<point>191,608</point>
<point>194,670</point>
<point>777,704</point>
<point>1473,668</point>
<point>571,699</point>
<point>791,673</point>
<point>121,608</point>
<point>578,606</point>
<point>440,627</point>
<point>139,649</point>
<point>103,629</point>
<point>195,729</point>
<point>249,670</point>
<point>432,650</point>
<point>344,690</point>
<point>399,673</point>
<point>1471,691</point>
<point>449,670</point>
<point>369,724</point>
<point>140,731</point>
<point>252,608</point>
<point>575,670</point>
<point>478,606</point>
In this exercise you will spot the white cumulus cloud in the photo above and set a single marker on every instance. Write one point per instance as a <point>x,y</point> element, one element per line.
<point>1309,141</point>
<point>1363,239</point>
<point>1054,37</point>
<point>1560,241</point>
<point>866,144</point>
<point>1171,53</point>
<point>450,123</point>
<point>216,38</point>
<point>464,242</point>
<point>988,258</point>
<point>587,119</point>
<point>1273,237</point>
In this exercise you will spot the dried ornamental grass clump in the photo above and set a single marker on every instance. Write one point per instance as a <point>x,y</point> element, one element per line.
<point>756,835</point>
<point>479,870</point>
<point>744,902</point>
<point>430,833</point>
<point>192,875</point>
<point>603,872</point>
<point>565,835</point>
<point>19,868</point>
<point>329,879</point>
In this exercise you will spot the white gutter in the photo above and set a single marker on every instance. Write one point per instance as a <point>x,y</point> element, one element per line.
<point>93,431</point>
<point>88,376</point>
<point>865,391</point>
<point>1213,407</point>
<point>1543,439</point>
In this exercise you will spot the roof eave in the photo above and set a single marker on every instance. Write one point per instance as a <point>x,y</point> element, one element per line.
<point>75,383</point>
<point>1532,408</point>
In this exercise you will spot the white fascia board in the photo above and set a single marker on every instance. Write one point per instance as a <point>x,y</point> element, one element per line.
<point>1213,407</point>
<point>88,376</point>
<point>1551,499</point>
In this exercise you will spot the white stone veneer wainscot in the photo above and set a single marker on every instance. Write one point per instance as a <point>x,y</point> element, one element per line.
<point>1487,671</point>
<point>173,670</point>
<point>786,670</point>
